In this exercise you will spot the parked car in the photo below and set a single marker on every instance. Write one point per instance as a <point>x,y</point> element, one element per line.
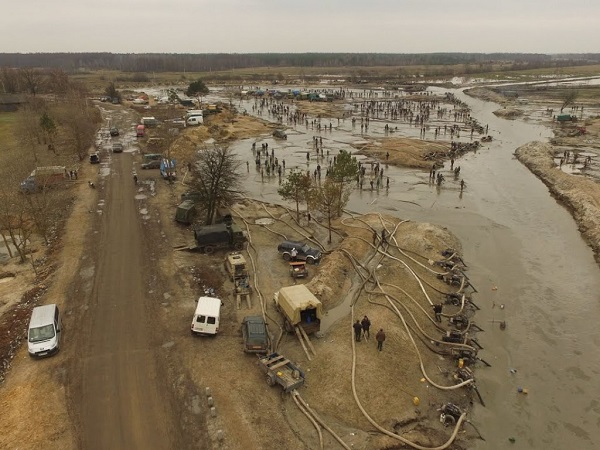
<point>95,158</point>
<point>114,131</point>
<point>280,134</point>
<point>303,251</point>
<point>254,334</point>
<point>117,147</point>
<point>155,164</point>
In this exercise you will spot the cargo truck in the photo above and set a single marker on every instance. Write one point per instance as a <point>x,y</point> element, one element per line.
<point>43,177</point>
<point>300,308</point>
<point>212,237</point>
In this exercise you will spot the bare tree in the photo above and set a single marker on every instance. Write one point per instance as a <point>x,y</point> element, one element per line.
<point>15,221</point>
<point>32,79</point>
<point>568,98</point>
<point>28,131</point>
<point>45,209</point>
<point>58,81</point>
<point>79,122</point>
<point>10,80</point>
<point>217,180</point>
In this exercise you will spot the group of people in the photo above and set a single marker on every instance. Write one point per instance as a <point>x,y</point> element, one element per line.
<point>362,329</point>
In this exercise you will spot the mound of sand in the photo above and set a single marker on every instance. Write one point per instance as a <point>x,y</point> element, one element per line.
<point>508,113</point>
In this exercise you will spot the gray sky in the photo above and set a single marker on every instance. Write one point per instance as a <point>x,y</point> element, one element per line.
<point>261,26</point>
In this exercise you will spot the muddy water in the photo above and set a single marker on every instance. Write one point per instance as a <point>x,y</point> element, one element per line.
<point>528,262</point>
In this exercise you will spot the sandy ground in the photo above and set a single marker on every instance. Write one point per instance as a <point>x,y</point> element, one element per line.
<point>250,414</point>
<point>404,152</point>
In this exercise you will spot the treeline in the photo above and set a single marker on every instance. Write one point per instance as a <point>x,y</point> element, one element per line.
<point>167,62</point>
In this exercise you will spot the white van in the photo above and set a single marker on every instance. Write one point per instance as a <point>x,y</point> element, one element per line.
<point>195,120</point>
<point>207,315</point>
<point>43,337</point>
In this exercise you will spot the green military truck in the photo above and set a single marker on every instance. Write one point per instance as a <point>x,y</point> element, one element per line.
<point>213,237</point>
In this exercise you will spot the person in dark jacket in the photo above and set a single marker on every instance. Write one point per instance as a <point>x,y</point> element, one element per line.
<point>366,324</point>
<point>380,337</point>
<point>357,330</point>
<point>437,310</point>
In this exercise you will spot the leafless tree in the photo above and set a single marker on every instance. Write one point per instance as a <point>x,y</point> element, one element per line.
<point>10,80</point>
<point>78,121</point>
<point>58,82</point>
<point>217,179</point>
<point>45,209</point>
<point>32,79</point>
<point>568,98</point>
<point>15,221</point>
<point>28,131</point>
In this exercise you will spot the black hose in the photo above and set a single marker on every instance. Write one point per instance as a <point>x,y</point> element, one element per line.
<point>475,428</point>
<point>478,395</point>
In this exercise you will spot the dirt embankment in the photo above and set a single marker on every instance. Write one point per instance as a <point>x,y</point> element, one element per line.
<point>581,195</point>
<point>508,111</point>
<point>487,94</point>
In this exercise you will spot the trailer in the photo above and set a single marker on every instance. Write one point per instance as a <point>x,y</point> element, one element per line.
<point>43,177</point>
<point>280,370</point>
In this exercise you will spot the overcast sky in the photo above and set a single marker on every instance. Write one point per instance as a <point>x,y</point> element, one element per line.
<point>262,26</point>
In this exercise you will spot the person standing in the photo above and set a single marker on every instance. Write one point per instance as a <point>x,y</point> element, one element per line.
<point>366,324</point>
<point>380,337</point>
<point>437,310</point>
<point>357,330</point>
<point>294,253</point>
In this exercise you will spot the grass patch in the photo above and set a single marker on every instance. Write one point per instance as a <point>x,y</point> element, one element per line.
<point>7,122</point>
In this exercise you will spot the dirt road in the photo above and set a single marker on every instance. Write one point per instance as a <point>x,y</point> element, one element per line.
<point>121,403</point>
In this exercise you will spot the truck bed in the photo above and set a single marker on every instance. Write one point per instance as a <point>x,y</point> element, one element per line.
<point>282,370</point>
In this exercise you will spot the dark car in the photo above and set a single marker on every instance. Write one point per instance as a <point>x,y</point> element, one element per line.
<point>303,251</point>
<point>95,159</point>
<point>254,333</point>
<point>114,131</point>
<point>117,147</point>
<point>154,164</point>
